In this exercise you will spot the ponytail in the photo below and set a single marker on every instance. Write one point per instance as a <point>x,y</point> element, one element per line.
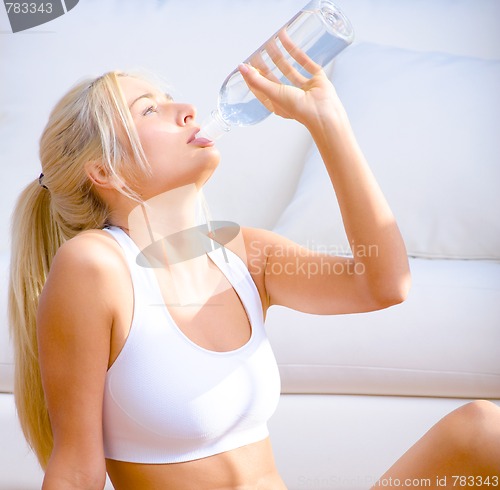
<point>83,127</point>
<point>35,240</point>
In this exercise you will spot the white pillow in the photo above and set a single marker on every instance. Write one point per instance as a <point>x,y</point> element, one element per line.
<point>428,124</point>
<point>428,25</point>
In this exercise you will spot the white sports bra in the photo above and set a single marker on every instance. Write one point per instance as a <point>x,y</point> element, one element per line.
<point>167,399</point>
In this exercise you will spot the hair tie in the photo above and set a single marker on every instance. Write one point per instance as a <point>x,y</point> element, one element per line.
<point>40,181</point>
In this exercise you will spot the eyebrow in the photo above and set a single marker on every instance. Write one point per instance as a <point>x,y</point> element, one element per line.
<point>143,96</point>
<point>149,95</point>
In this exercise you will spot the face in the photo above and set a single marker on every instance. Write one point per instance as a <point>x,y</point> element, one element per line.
<point>167,132</point>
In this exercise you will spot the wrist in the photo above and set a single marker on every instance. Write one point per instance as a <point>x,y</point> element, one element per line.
<point>330,122</point>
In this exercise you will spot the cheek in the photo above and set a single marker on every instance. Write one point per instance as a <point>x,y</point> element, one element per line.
<point>158,146</point>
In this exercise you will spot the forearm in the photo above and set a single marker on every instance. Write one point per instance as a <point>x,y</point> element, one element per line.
<point>370,225</point>
<point>62,482</point>
<point>63,475</point>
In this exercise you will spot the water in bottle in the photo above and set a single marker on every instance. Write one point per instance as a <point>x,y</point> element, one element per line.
<point>319,30</point>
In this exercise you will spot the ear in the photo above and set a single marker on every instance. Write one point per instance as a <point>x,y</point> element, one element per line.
<point>99,176</point>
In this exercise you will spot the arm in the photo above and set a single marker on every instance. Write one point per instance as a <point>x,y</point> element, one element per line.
<point>75,317</point>
<point>365,282</point>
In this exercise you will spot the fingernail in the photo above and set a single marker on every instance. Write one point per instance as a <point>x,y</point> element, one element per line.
<point>243,68</point>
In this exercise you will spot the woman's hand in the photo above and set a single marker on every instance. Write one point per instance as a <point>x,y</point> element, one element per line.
<point>311,101</point>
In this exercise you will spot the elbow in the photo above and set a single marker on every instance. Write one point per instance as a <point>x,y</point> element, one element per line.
<point>392,291</point>
<point>396,297</point>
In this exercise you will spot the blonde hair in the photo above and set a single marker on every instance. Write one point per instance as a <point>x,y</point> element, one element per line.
<point>90,123</point>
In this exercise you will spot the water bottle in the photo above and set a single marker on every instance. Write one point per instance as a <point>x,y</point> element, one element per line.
<point>320,30</point>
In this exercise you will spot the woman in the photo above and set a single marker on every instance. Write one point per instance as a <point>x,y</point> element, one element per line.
<point>140,346</point>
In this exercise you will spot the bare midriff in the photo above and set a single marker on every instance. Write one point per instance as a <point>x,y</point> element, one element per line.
<point>250,467</point>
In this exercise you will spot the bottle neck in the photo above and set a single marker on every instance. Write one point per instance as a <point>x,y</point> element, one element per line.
<point>214,126</point>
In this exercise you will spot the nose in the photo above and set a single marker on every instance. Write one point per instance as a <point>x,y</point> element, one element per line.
<point>186,114</point>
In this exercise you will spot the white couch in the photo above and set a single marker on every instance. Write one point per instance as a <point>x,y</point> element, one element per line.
<point>421,87</point>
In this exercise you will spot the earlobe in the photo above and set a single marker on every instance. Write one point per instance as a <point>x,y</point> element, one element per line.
<point>99,175</point>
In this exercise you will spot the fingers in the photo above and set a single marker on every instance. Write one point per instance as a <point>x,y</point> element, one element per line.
<point>297,54</point>
<point>282,61</point>
<point>286,100</point>
<point>279,59</point>
<point>263,88</point>
<point>258,62</point>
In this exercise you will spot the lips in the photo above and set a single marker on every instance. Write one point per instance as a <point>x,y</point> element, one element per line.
<point>200,141</point>
<point>204,142</point>
<point>193,135</point>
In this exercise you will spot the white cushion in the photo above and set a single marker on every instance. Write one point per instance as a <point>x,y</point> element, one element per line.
<point>452,26</point>
<point>19,469</point>
<point>428,125</point>
<point>6,351</point>
<point>443,340</point>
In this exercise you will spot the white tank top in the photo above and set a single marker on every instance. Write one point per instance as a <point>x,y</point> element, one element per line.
<point>167,399</point>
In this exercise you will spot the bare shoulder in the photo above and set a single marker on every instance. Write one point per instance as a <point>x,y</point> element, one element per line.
<point>254,247</point>
<point>84,268</point>
<point>93,249</point>
<point>260,243</point>
<point>262,246</point>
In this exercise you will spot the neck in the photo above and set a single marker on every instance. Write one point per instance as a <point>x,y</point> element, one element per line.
<point>164,215</point>
<point>164,229</point>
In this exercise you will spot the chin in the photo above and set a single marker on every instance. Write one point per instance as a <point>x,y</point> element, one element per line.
<point>211,164</point>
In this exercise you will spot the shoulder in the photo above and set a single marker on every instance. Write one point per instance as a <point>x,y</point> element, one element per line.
<point>93,248</point>
<point>254,246</point>
<point>92,262</point>
<point>87,245</point>
<point>267,252</point>
<point>260,244</point>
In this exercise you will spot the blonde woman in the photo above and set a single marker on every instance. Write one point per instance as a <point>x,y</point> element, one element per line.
<point>139,355</point>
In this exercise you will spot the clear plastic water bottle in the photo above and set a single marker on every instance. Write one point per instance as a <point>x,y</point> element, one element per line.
<point>320,30</point>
